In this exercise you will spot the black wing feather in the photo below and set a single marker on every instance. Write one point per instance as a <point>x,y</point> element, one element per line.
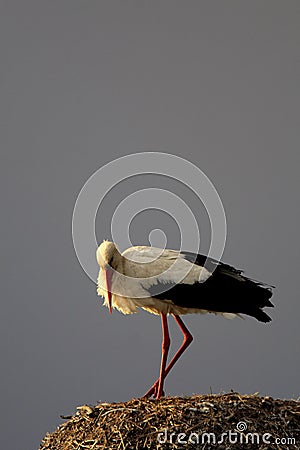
<point>226,290</point>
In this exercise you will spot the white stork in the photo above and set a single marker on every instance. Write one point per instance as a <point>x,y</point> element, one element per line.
<point>167,282</point>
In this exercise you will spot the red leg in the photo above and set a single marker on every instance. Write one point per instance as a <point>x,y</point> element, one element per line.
<point>186,342</point>
<point>164,355</point>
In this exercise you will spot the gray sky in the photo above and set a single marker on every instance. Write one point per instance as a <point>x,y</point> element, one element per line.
<point>83,83</point>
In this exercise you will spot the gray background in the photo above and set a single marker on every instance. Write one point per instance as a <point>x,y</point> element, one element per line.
<point>83,83</point>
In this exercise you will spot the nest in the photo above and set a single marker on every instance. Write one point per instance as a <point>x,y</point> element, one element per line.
<point>229,421</point>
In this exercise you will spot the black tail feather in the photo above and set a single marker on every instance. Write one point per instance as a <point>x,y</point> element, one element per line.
<point>226,290</point>
<point>260,315</point>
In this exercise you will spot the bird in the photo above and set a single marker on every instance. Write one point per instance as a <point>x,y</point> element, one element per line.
<point>173,283</point>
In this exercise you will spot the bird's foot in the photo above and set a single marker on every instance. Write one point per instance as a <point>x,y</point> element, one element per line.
<point>153,392</point>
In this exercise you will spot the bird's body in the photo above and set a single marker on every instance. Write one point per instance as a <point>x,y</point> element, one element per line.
<point>141,273</point>
<point>171,282</point>
<point>146,268</point>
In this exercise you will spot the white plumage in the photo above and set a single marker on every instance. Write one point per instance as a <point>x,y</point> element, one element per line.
<point>137,269</point>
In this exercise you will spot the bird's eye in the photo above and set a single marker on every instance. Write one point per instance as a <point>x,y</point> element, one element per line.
<point>110,261</point>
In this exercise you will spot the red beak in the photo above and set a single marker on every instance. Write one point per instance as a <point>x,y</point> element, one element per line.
<point>108,277</point>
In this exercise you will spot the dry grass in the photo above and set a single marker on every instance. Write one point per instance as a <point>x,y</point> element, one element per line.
<point>136,424</point>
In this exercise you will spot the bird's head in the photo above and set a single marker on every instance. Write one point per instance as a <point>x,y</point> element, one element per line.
<point>108,257</point>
